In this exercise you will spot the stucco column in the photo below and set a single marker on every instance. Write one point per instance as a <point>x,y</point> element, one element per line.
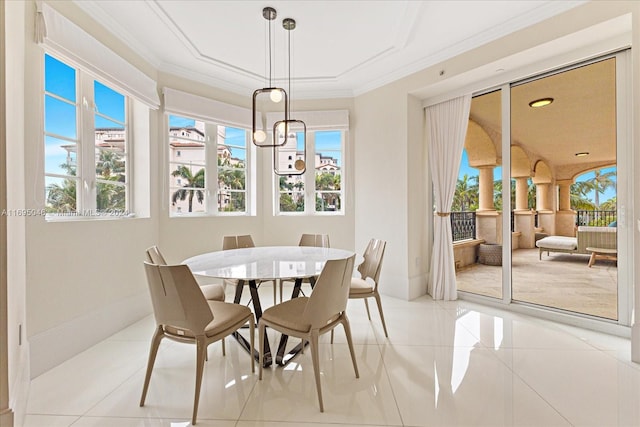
<point>564,196</point>
<point>485,189</point>
<point>542,197</point>
<point>521,194</point>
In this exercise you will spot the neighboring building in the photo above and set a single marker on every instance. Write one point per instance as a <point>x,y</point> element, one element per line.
<point>187,148</point>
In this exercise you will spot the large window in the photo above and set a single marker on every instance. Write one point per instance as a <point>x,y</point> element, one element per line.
<point>207,167</point>
<point>319,189</point>
<point>86,144</point>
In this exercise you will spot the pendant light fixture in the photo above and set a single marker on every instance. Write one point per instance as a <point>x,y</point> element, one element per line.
<point>287,160</point>
<point>268,99</point>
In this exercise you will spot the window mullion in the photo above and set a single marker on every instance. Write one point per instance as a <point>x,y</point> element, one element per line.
<point>129,155</point>
<point>87,145</point>
<point>211,168</point>
<point>310,175</point>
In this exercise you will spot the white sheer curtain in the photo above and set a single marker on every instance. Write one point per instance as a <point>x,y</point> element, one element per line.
<point>446,126</point>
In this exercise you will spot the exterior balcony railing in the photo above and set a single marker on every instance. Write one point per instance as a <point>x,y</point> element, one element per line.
<point>595,218</point>
<point>463,225</point>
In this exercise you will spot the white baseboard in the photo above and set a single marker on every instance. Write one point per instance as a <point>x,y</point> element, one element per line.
<point>417,286</point>
<point>52,347</point>
<point>19,389</point>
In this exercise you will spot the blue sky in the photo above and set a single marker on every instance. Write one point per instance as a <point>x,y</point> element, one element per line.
<point>60,116</point>
<point>497,175</point>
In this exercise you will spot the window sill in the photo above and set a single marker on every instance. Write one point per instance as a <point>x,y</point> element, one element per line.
<point>310,214</point>
<point>96,217</point>
<point>208,215</point>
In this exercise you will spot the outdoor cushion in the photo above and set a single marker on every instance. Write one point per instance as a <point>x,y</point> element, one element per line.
<point>558,242</point>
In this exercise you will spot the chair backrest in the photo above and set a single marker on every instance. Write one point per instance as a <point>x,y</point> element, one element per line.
<point>372,263</point>
<point>317,240</point>
<point>154,256</point>
<point>176,297</point>
<point>237,242</point>
<point>330,293</point>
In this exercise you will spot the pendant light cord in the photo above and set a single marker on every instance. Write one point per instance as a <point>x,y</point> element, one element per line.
<point>270,53</point>
<point>289,84</point>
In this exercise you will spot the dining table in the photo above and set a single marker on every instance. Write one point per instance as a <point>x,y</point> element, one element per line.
<point>250,266</point>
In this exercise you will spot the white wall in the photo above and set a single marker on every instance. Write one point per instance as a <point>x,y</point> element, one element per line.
<point>84,279</point>
<point>16,227</point>
<point>381,181</point>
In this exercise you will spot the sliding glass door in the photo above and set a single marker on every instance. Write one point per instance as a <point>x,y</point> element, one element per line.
<point>560,208</point>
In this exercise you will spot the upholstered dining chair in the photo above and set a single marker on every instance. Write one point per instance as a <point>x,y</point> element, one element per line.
<point>183,314</point>
<point>317,240</point>
<point>370,269</point>
<point>212,292</point>
<point>237,242</point>
<point>309,317</point>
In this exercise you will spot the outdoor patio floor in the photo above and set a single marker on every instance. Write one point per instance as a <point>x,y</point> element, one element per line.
<point>561,281</point>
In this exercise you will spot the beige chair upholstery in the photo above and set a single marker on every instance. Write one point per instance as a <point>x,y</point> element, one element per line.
<point>237,242</point>
<point>183,314</point>
<point>212,292</point>
<point>316,240</point>
<point>370,269</point>
<point>309,317</point>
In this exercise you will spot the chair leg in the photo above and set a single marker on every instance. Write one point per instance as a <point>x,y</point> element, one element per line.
<point>275,285</point>
<point>347,332</point>
<point>252,333</point>
<point>224,349</point>
<point>201,350</point>
<point>366,304</point>
<point>332,336</point>
<point>153,351</point>
<point>280,285</point>
<point>261,327</point>
<point>384,325</point>
<point>316,365</point>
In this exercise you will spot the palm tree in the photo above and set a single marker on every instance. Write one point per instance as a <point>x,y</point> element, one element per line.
<point>579,195</point>
<point>110,162</point>
<point>600,183</point>
<point>62,197</point>
<point>531,194</point>
<point>327,181</point>
<point>610,205</point>
<point>192,183</point>
<point>466,194</point>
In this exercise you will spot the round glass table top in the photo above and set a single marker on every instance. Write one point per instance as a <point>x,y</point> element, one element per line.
<point>264,262</point>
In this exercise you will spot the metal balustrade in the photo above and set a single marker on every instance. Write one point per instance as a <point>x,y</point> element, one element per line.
<point>595,218</point>
<point>463,225</point>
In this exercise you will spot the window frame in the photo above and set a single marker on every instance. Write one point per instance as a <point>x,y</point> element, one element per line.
<point>211,167</point>
<point>86,178</point>
<point>309,178</point>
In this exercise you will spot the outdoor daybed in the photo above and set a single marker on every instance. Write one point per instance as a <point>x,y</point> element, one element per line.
<point>587,237</point>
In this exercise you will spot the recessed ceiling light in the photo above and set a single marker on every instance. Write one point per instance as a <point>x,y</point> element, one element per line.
<point>582,154</point>
<point>540,102</point>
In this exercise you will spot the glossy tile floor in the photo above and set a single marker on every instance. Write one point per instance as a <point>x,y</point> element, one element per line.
<point>444,364</point>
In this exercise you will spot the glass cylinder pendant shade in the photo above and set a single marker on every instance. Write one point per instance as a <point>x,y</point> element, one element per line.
<point>290,153</point>
<point>265,100</point>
